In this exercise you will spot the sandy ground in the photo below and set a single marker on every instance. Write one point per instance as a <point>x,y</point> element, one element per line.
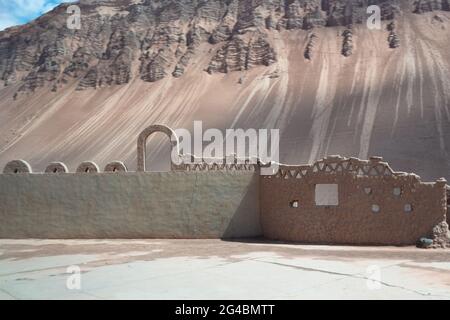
<point>215,269</point>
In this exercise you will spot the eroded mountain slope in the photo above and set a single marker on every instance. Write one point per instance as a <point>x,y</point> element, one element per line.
<point>310,68</point>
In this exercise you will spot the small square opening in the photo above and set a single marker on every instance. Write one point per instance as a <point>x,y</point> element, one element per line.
<point>327,195</point>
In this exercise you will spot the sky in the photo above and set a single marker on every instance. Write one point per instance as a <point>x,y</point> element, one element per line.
<point>15,12</point>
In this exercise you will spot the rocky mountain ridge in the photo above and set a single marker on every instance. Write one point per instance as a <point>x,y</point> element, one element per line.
<point>120,40</point>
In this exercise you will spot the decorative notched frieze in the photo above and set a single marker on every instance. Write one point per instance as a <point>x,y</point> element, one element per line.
<point>229,163</point>
<point>374,167</point>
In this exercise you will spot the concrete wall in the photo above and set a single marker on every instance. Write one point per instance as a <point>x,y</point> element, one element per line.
<point>130,205</point>
<point>355,219</point>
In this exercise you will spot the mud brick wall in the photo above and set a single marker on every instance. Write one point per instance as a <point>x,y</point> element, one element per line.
<point>374,206</point>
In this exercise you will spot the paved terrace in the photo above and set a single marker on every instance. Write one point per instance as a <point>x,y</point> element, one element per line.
<point>214,269</point>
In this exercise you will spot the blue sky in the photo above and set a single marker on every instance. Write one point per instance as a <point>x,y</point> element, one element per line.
<point>15,12</point>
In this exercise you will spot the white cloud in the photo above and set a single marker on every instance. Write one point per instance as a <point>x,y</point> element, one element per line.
<point>14,12</point>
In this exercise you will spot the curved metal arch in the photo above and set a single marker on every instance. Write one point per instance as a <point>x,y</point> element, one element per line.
<point>142,141</point>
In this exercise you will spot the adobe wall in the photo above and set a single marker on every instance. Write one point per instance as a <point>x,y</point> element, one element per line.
<point>368,209</point>
<point>130,205</point>
<point>335,201</point>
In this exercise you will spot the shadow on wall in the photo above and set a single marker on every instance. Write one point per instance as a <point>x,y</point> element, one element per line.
<point>246,220</point>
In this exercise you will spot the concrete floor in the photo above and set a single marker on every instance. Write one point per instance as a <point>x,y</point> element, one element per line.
<point>215,269</point>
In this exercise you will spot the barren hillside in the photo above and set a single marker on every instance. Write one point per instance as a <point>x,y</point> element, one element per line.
<point>310,68</point>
